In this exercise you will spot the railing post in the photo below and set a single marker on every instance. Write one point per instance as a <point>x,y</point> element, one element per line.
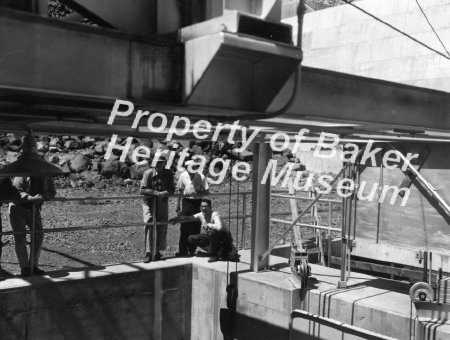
<point>260,207</point>
<point>244,214</point>
<point>330,214</point>
<point>32,237</point>
<point>154,229</point>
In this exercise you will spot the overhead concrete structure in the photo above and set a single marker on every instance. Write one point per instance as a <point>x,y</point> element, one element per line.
<point>371,64</point>
<point>344,39</point>
<point>74,72</point>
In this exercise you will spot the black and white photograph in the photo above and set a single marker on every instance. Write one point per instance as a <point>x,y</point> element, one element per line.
<point>225,169</point>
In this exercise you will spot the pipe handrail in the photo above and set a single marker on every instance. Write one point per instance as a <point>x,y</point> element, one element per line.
<point>338,325</point>
<point>307,198</point>
<point>305,225</point>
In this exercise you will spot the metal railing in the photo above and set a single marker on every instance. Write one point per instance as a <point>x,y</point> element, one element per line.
<point>339,326</point>
<point>314,213</point>
<point>32,232</point>
<point>241,217</point>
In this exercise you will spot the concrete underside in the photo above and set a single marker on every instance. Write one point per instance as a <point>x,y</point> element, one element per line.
<point>187,299</point>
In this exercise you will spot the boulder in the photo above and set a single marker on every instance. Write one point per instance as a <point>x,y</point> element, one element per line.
<point>79,163</point>
<point>137,171</point>
<point>53,159</point>
<point>70,145</point>
<point>14,147</point>
<point>3,141</point>
<point>11,156</point>
<point>65,168</point>
<point>111,168</point>
<point>87,142</point>
<point>99,184</point>
<point>54,142</point>
<point>13,139</point>
<point>100,147</point>
<point>42,146</point>
<point>65,158</point>
<point>54,149</point>
<point>95,165</point>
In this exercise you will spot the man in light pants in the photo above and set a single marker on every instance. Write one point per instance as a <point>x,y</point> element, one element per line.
<point>157,183</point>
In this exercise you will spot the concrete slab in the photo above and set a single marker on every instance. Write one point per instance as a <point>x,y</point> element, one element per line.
<point>188,298</point>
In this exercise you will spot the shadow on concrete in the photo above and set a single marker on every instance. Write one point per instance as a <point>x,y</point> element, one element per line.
<point>391,285</point>
<point>235,326</point>
<point>66,271</point>
<point>4,274</point>
<point>279,266</point>
<point>240,327</point>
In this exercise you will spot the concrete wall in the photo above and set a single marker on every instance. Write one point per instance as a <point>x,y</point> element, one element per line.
<point>344,39</point>
<point>187,299</point>
<point>120,302</point>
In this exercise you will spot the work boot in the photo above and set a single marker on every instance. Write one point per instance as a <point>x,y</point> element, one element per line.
<point>147,258</point>
<point>213,259</point>
<point>38,271</point>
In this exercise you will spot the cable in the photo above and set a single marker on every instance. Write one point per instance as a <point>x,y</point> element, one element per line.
<point>396,29</point>
<point>429,23</point>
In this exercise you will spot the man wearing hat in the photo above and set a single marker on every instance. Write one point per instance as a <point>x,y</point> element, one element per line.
<point>156,185</point>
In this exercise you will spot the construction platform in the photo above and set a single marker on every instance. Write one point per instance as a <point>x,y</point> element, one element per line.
<point>186,298</point>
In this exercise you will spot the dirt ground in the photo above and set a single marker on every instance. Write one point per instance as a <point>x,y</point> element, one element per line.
<point>72,250</point>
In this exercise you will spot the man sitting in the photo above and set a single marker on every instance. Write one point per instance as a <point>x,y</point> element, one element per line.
<point>214,237</point>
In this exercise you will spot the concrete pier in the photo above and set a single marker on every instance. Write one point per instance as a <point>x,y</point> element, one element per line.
<point>187,299</point>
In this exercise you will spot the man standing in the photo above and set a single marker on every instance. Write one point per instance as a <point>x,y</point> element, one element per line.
<point>213,236</point>
<point>33,190</point>
<point>157,183</point>
<point>7,192</point>
<point>190,184</point>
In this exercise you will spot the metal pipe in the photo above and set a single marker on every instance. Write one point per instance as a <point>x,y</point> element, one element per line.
<point>380,185</point>
<point>33,236</point>
<point>425,266</point>
<point>343,239</point>
<point>244,215</point>
<point>338,325</point>
<point>349,226</point>
<point>260,207</point>
<point>330,213</point>
<point>320,227</point>
<point>306,198</point>
<point>99,198</point>
<point>424,182</point>
<point>154,226</point>
<point>431,268</point>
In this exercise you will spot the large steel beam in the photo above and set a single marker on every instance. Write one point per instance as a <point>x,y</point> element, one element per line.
<point>339,97</point>
<point>58,69</point>
<point>41,54</point>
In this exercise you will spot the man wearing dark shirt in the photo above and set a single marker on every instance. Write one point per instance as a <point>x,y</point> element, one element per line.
<point>157,183</point>
<point>7,192</point>
<point>33,190</point>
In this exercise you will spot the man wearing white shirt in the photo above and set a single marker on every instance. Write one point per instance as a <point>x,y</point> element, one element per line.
<point>213,236</point>
<point>191,185</point>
